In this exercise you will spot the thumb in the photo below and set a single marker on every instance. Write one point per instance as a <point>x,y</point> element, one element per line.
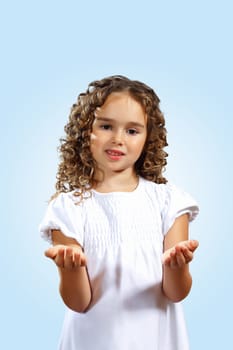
<point>50,253</point>
<point>193,245</point>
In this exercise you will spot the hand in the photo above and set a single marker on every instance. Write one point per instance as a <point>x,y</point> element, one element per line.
<point>67,257</point>
<point>179,255</point>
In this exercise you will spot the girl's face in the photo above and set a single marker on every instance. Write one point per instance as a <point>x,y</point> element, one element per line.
<point>118,133</point>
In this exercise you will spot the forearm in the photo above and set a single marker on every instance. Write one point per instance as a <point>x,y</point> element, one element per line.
<point>176,282</point>
<point>75,288</point>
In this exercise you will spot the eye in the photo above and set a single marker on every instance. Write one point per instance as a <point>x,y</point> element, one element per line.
<point>132,132</point>
<point>106,127</point>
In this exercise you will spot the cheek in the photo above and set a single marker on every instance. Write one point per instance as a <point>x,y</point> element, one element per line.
<point>95,142</point>
<point>139,144</point>
<point>92,141</point>
<point>93,138</point>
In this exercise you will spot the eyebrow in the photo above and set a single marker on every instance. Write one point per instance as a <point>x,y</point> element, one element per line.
<point>112,120</point>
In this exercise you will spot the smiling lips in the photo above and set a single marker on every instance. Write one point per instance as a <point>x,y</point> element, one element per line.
<point>114,154</point>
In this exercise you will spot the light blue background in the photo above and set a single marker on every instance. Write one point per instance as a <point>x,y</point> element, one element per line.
<point>50,51</point>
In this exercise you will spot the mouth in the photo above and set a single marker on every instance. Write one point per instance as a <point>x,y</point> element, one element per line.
<point>113,152</point>
<point>114,155</point>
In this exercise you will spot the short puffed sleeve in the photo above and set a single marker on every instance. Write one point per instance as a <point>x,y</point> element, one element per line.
<point>64,215</point>
<point>177,202</point>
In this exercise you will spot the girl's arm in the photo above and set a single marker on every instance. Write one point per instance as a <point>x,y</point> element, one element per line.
<point>68,255</point>
<point>178,252</point>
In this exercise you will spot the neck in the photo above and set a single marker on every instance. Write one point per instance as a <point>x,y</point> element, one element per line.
<point>117,182</point>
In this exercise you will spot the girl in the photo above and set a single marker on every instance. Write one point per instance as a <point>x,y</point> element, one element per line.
<point>119,230</point>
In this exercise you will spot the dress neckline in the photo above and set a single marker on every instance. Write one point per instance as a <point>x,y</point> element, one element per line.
<point>112,193</point>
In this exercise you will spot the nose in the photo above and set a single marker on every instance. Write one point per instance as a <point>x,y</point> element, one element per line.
<point>118,138</point>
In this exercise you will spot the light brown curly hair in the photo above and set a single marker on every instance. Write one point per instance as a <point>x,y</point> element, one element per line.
<point>76,168</point>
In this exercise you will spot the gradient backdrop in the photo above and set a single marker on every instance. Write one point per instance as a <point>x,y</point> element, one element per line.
<point>50,51</point>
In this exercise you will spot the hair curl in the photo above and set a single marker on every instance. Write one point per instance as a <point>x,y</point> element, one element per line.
<point>76,168</point>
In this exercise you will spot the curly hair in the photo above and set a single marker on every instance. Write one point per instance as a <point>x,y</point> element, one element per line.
<point>76,168</point>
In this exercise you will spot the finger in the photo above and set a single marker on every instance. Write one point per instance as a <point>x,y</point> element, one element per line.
<point>167,262</point>
<point>59,259</point>
<point>195,244</point>
<point>173,263</point>
<point>83,259</point>
<point>180,258</point>
<point>188,255</point>
<point>77,259</point>
<point>68,260</point>
<point>192,245</point>
<point>50,253</point>
<point>166,259</point>
<point>173,259</point>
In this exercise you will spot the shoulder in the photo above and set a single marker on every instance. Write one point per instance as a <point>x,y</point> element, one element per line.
<point>66,199</point>
<point>162,191</point>
<point>167,194</point>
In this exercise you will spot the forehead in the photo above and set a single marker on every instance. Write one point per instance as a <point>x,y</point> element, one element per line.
<point>121,103</point>
<point>118,96</point>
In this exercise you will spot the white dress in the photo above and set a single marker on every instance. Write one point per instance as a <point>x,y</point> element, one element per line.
<point>122,234</point>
